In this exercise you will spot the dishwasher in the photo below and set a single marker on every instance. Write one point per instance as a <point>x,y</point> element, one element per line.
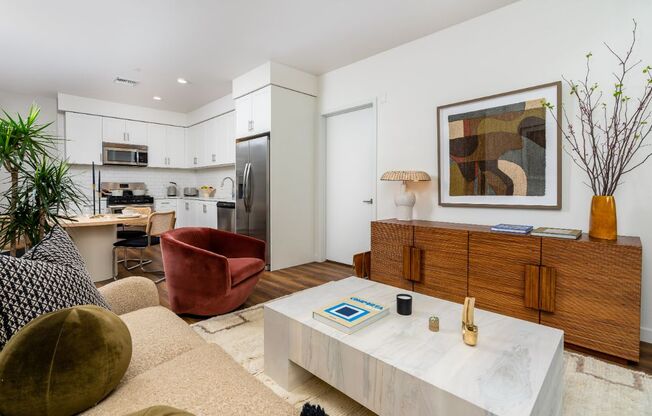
<point>226,216</point>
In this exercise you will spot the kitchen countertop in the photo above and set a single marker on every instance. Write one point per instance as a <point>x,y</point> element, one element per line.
<point>196,198</point>
<point>104,219</point>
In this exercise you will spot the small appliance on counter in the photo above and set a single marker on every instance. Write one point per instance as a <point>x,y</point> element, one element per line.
<point>172,189</point>
<point>190,192</point>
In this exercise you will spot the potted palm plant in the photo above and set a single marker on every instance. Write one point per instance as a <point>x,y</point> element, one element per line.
<point>609,139</point>
<point>41,191</point>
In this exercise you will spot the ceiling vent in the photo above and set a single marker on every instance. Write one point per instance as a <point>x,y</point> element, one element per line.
<point>125,81</point>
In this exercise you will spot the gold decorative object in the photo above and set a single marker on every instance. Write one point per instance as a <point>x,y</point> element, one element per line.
<point>603,223</point>
<point>469,330</point>
<point>433,324</point>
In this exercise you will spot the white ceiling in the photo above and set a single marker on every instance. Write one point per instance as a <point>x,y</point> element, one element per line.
<point>79,46</point>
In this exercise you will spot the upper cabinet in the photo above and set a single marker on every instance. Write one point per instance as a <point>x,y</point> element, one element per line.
<point>195,145</point>
<point>166,146</point>
<point>83,138</point>
<point>117,130</point>
<point>253,113</point>
<point>211,142</point>
<point>226,141</point>
<point>176,146</point>
<point>206,144</point>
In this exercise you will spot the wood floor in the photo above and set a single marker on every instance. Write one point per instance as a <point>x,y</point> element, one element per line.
<point>279,283</point>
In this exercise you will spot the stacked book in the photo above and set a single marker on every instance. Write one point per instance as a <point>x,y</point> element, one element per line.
<point>539,232</point>
<point>512,229</point>
<point>557,233</point>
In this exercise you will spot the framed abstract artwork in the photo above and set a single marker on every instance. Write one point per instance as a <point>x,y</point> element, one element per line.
<point>501,151</point>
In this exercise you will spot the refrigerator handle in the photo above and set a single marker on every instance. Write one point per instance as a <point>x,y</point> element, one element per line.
<point>248,188</point>
<point>245,186</point>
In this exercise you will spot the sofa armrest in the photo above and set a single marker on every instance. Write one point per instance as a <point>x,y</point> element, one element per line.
<point>130,294</point>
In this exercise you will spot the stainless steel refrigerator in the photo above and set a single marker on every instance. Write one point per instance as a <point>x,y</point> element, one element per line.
<point>252,182</point>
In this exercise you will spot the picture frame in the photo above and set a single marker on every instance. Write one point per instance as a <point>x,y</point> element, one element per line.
<point>501,151</point>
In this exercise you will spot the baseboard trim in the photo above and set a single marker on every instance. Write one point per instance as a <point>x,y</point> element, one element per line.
<point>646,335</point>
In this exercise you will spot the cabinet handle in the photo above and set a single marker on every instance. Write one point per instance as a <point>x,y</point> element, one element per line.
<point>213,157</point>
<point>194,160</point>
<point>548,286</point>
<point>531,294</point>
<point>187,206</point>
<point>407,262</point>
<point>204,209</point>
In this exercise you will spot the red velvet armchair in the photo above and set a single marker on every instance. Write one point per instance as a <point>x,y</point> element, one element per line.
<point>208,271</point>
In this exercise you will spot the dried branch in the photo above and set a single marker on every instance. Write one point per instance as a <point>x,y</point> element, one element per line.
<point>611,140</point>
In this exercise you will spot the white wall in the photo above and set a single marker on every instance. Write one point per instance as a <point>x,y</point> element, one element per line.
<point>213,109</point>
<point>527,43</point>
<point>87,105</point>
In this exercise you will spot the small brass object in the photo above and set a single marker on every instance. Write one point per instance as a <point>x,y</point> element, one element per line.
<point>469,329</point>
<point>433,324</point>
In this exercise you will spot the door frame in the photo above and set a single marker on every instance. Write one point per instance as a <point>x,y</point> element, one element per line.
<point>322,174</point>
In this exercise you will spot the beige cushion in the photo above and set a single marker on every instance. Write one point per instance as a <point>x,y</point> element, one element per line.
<point>158,335</point>
<point>205,381</point>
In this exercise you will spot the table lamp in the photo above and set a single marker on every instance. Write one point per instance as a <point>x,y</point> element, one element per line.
<point>405,200</point>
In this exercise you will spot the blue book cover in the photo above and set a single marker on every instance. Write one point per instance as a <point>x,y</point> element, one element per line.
<point>512,228</point>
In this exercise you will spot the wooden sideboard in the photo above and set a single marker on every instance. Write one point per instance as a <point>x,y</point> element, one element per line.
<point>591,289</point>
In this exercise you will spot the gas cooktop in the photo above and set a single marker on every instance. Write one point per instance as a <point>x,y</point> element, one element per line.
<point>129,200</point>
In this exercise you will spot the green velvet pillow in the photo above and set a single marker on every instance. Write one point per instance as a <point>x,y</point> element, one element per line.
<point>63,362</point>
<point>160,411</point>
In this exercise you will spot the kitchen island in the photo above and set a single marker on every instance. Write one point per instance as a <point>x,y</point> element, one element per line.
<point>94,237</point>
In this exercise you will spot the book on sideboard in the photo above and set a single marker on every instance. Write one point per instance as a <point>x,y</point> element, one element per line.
<point>512,228</point>
<point>566,233</point>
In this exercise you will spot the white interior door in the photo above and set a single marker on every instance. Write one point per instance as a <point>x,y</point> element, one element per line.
<point>350,183</point>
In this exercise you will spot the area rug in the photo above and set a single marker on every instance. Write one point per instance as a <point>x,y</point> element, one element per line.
<point>592,387</point>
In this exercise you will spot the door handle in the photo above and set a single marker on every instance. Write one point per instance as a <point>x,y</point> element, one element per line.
<point>368,201</point>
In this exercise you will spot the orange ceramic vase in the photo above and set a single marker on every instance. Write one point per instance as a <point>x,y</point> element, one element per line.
<point>603,223</point>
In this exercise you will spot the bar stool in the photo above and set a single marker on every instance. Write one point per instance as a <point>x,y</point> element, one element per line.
<point>157,224</point>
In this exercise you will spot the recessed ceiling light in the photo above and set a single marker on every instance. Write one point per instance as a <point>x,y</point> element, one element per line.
<point>157,98</point>
<point>182,81</point>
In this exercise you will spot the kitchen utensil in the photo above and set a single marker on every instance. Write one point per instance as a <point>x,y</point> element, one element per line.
<point>172,189</point>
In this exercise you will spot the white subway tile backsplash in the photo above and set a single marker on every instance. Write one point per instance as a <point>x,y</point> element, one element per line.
<point>157,180</point>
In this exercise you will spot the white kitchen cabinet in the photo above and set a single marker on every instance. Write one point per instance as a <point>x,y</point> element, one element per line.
<point>136,132</point>
<point>185,213</point>
<point>195,145</point>
<point>176,146</point>
<point>83,138</point>
<point>253,113</point>
<point>212,140</point>
<point>165,204</point>
<point>206,213</point>
<point>226,145</point>
<point>117,130</point>
<point>157,152</point>
<point>166,146</point>
<point>114,130</point>
<point>196,213</point>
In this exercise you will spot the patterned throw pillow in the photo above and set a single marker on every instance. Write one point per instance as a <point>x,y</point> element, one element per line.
<point>49,277</point>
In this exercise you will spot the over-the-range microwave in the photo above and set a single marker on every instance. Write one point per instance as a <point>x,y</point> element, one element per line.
<point>124,154</point>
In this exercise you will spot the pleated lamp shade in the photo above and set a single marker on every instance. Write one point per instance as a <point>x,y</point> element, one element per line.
<point>405,175</point>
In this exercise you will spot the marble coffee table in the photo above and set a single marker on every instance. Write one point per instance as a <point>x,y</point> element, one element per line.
<point>396,366</point>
